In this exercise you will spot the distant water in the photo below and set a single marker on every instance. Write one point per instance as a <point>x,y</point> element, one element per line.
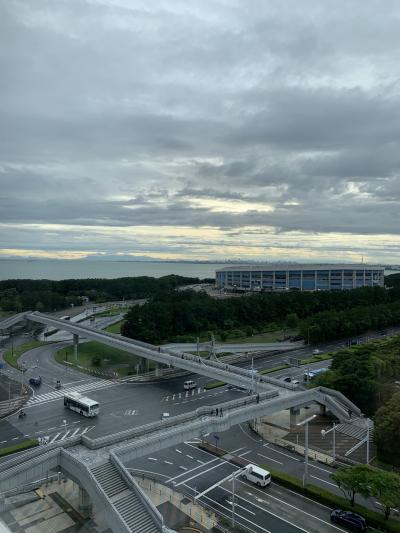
<point>75,269</point>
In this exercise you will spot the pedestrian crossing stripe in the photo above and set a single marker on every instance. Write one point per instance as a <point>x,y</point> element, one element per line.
<point>55,395</point>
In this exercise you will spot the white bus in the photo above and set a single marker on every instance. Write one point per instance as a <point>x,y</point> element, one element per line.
<point>80,404</point>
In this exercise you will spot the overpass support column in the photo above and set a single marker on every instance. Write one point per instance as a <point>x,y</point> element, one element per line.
<point>76,343</point>
<point>294,416</point>
<point>141,364</point>
<point>159,367</point>
<point>85,504</point>
<point>322,409</point>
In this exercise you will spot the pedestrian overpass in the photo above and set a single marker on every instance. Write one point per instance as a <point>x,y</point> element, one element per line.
<point>97,465</point>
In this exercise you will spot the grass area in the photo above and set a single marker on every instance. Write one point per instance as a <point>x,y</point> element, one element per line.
<point>25,445</point>
<point>316,358</point>
<point>214,385</point>
<point>332,500</point>
<point>115,328</point>
<point>12,356</point>
<point>111,312</point>
<point>267,336</point>
<point>108,357</point>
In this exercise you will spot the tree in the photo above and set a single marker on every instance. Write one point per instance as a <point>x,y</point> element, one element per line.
<point>353,480</point>
<point>387,430</point>
<point>385,488</point>
<point>292,320</point>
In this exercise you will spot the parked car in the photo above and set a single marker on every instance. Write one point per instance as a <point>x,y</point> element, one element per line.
<point>317,351</point>
<point>287,379</point>
<point>353,521</point>
<point>295,382</point>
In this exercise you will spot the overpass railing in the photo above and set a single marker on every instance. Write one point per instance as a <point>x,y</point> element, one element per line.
<point>87,480</point>
<point>154,427</point>
<point>133,485</point>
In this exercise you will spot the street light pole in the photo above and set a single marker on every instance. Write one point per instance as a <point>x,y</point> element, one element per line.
<point>324,433</point>
<point>305,422</point>
<point>368,441</point>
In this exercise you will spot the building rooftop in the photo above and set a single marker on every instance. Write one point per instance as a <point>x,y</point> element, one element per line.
<point>303,266</point>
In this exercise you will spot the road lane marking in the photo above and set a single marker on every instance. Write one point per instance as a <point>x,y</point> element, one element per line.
<point>179,451</point>
<point>269,495</point>
<point>270,458</point>
<point>55,437</point>
<point>267,510</point>
<point>152,459</point>
<point>319,468</point>
<point>237,515</point>
<point>285,454</point>
<point>75,432</point>
<point>324,481</point>
<point>168,462</point>
<point>223,463</point>
<point>183,467</point>
<point>190,457</point>
<point>241,507</point>
<point>64,436</point>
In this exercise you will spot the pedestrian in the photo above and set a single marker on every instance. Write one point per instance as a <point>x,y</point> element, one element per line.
<point>216,411</point>
<point>220,412</point>
<point>258,398</point>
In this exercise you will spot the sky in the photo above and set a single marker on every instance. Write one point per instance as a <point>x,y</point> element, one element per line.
<point>208,130</point>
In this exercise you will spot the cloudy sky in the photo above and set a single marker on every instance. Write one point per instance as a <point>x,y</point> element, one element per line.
<point>212,129</point>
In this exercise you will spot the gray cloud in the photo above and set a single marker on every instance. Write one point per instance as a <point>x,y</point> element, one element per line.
<point>121,114</point>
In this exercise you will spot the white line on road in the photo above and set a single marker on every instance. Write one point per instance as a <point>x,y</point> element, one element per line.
<point>55,437</point>
<point>168,462</point>
<point>192,470</point>
<point>176,449</point>
<point>204,472</point>
<point>152,459</point>
<point>238,515</point>
<point>183,467</point>
<point>324,481</point>
<point>241,507</point>
<point>75,432</point>
<point>285,454</point>
<point>270,458</point>
<point>190,457</point>
<point>64,436</point>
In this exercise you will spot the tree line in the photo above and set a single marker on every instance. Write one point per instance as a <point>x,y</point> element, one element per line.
<point>187,313</point>
<point>367,375</point>
<point>47,295</point>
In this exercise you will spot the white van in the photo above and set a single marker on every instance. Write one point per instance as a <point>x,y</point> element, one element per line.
<point>189,385</point>
<point>257,475</point>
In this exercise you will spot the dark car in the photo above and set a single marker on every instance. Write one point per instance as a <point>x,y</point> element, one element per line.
<point>287,379</point>
<point>352,521</point>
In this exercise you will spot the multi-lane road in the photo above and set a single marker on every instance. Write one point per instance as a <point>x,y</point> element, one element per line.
<point>126,405</point>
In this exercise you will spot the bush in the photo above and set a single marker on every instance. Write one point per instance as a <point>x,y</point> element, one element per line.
<point>31,443</point>
<point>214,385</point>
<point>96,360</point>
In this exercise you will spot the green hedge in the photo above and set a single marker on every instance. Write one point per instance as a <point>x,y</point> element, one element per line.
<point>214,385</point>
<point>273,369</point>
<point>332,500</point>
<point>31,443</point>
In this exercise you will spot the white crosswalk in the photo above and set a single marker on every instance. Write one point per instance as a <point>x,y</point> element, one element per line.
<point>57,394</point>
<point>185,394</point>
<point>62,435</point>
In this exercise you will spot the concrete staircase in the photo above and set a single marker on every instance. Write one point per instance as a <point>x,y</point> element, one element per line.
<point>123,498</point>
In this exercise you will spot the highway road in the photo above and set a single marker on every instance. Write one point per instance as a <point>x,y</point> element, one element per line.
<point>126,405</point>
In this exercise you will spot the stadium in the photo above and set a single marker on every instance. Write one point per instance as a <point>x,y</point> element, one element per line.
<point>306,277</point>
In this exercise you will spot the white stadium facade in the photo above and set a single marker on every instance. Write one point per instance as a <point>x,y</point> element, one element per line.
<point>306,277</point>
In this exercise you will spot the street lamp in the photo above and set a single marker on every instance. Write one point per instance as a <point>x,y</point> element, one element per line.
<point>324,433</point>
<point>305,422</point>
